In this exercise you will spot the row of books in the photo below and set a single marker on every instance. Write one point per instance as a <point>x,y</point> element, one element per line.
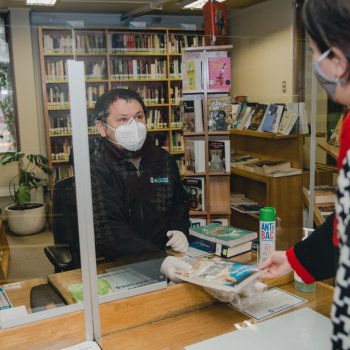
<point>274,118</point>
<point>178,42</point>
<point>219,156</point>
<point>138,68</point>
<point>224,241</point>
<point>219,112</point>
<point>224,116</point>
<point>274,168</point>
<point>119,43</point>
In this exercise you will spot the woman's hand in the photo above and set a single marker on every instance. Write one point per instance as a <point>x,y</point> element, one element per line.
<point>276,265</point>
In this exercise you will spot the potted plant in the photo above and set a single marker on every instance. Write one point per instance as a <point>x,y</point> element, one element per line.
<point>26,217</point>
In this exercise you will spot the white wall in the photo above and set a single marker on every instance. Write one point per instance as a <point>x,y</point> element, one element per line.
<point>263,52</point>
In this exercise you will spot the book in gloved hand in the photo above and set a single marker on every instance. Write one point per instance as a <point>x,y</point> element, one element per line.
<point>216,273</point>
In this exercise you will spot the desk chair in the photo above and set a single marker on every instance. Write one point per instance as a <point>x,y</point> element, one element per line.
<point>64,254</point>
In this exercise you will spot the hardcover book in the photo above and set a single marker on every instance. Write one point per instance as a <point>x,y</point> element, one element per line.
<point>215,18</point>
<point>238,159</point>
<point>286,172</point>
<point>303,120</point>
<point>287,122</point>
<point>187,116</point>
<point>191,108</point>
<point>195,189</point>
<point>244,115</point>
<point>218,249</point>
<point>270,166</point>
<point>214,272</point>
<point>195,156</point>
<point>247,208</point>
<point>219,159</point>
<point>220,113</point>
<point>197,221</point>
<point>191,68</point>
<point>236,108</point>
<point>219,73</point>
<point>226,235</point>
<point>323,194</point>
<point>272,118</point>
<point>258,116</point>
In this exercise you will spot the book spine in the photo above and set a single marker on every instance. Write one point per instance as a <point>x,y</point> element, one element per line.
<point>203,244</point>
<point>222,250</point>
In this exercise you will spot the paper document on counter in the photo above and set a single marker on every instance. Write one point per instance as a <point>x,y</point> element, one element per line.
<point>125,278</point>
<point>271,302</point>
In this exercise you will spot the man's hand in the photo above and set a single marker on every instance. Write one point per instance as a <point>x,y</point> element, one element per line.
<point>276,265</point>
<point>177,241</point>
<point>171,265</point>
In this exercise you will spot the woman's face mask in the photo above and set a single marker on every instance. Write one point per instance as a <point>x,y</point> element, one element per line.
<point>328,83</point>
<point>131,135</point>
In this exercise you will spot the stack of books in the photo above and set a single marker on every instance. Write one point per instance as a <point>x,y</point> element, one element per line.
<point>243,204</point>
<point>325,198</point>
<point>272,168</point>
<point>224,241</point>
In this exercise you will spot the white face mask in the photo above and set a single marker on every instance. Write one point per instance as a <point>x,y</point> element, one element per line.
<point>130,136</point>
<point>328,83</point>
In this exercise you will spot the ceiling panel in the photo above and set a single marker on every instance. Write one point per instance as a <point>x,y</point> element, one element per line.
<point>173,7</point>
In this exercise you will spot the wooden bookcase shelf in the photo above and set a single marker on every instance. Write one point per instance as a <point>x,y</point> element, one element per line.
<point>217,184</point>
<point>145,60</point>
<point>5,253</point>
<point>282,193</point>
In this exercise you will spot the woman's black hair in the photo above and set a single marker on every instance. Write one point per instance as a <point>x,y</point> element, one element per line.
<point>101,111</point>
<point>327,23</point>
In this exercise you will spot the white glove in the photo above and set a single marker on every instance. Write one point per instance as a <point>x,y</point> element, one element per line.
<point>177,241</point>
<point>223,296</point>
<point>171,265</point>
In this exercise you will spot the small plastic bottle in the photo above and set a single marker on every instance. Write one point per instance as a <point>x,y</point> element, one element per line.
<point>267,232</point>
<point>299,285</point>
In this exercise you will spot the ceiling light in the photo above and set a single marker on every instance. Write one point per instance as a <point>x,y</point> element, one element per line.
<point>41,2</point>
<point>195,5</point>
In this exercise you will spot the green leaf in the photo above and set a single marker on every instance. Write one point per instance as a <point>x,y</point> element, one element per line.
<point>23,194</point>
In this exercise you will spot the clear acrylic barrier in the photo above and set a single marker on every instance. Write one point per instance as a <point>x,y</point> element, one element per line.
<point>263,70</point>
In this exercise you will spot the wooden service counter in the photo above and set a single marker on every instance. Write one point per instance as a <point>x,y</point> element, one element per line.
<point>170,318</point>
<point>181,315</point>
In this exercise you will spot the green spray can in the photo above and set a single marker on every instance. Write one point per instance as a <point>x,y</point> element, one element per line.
<point>267,232</point>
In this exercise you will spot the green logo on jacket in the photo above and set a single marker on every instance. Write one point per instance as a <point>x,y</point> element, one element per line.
<point>159,180</point>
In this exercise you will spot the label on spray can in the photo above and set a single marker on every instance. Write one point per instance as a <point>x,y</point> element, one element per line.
<point>267,232</point>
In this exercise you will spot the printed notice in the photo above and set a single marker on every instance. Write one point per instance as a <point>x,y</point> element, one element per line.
<point>4,300</point>
<point>271,302</point>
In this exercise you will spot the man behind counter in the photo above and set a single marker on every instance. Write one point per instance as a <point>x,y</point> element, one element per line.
<point>139,204</point>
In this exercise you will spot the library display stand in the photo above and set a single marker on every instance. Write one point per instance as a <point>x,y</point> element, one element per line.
<point>4,253</point>
<point>145,60</point>
<point>282,193</point>
<point>216,183</point>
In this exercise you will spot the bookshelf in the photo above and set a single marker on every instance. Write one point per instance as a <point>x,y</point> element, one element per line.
<point>4,253</point>
<point>146,60</point>
<point>216,183</point>
<point>283,193</point>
